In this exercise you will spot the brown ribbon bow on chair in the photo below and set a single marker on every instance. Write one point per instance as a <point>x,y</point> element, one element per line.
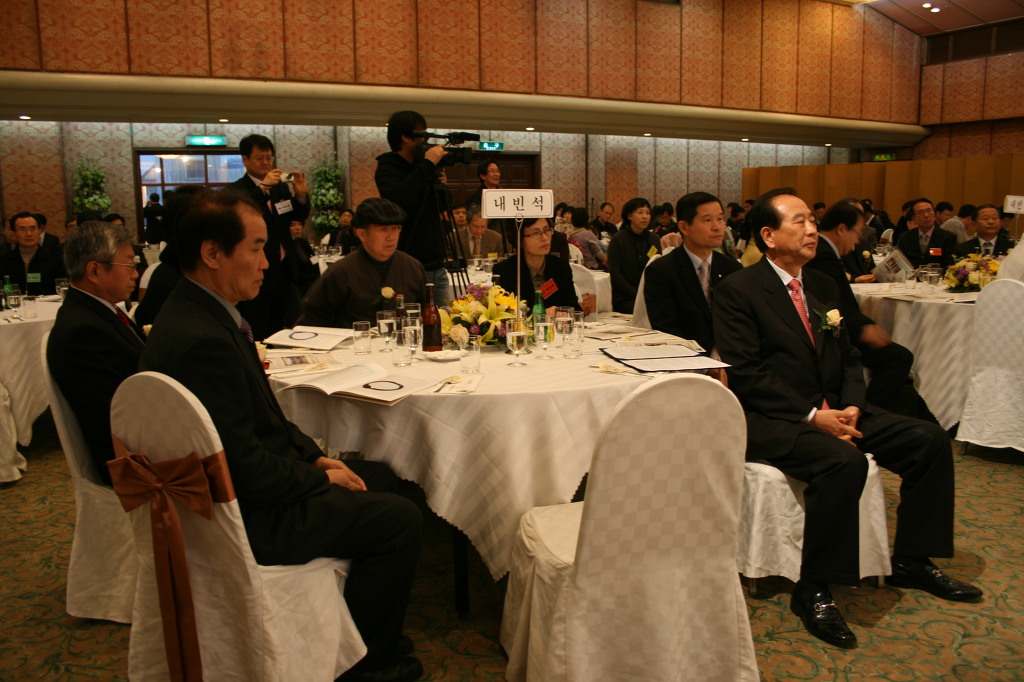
<point>195,484</point>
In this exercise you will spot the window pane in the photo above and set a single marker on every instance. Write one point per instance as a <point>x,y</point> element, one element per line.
<point>224,167</point>
<point>149,168</point>
<point>186,169</point>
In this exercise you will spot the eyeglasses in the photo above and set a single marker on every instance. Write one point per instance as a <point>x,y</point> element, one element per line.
<point>27,228</point>
<point>123,265</point>
<point>261,158</point>
<point>925,211</point>
<point>547,232</point>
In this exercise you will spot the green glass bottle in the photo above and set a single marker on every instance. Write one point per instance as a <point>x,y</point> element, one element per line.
<point>539,312</point>
<point>7,289</point>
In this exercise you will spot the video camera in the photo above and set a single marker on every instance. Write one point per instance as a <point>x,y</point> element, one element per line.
<point>455,154</point>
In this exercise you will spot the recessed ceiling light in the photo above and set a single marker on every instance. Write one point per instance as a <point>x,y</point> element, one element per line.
<point>935,9</point>
<point>927,5</point>
<point>23,117</point>
<point>529,128</point>
<point>828,144</point>
<point>744,139</point>
<point>647,134</point>
<point>222,120</point>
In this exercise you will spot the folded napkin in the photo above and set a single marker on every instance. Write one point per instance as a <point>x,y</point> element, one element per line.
<point>467,384</point>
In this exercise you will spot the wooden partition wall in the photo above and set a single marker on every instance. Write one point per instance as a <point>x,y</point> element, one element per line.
<point>965,179</point>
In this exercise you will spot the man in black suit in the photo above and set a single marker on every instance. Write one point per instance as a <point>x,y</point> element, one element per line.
<point>280,201</point>
<point>838,234</point>
<point>802,389</point>
<point>678,287</point>
<point>987,240</point>
<point>31,266</point>
<point>927,242</point>
<point>296,504</point>
<point>93,345</point>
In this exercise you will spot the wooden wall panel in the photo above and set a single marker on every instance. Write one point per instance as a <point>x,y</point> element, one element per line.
<point>814,60</point>
<point>506,46</point>
<point>444,62</point>
<point>847,61</point>
<point>1008,136</point>
<point>658,52</point>
<point>836,181</point>
<point>751,183</point>
<point>319,41</point>
<point>931,179</point>
<point>1004,87</point>
<point>19,25</point>
<point>83,36</point>
<point>876,96</point>
<point>387,57</point>
<point>169,38</point>
<point>899,185</point>
<point>561,47</point>
<point>963,83</point>
<point>768,179</point>
<point>702,53</point>
<point>810,183</point>
<point>906,74</point>
<point>970,139</point>
<point>612,57</point>
<point>931,94</point>
<point>955,169</point>
<point>36,181</point>
<point>935,146</point>
<point>246,39</point>
<point>980,178</point>
<point>779,56</point>
<point>741,65</point>
<point>872,182</point>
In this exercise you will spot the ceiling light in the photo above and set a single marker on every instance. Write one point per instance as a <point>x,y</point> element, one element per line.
<point>935,9</point>
<point>529,128</point>
<point>222,120</point>
<point>828,144</point>
<point>927,5</point>
<point>647,134</point>
<point>23,117</point>
<point>744,139</point>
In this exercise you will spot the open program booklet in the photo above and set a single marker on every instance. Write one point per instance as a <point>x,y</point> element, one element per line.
<point>666,358</point>
<point>366,382</point>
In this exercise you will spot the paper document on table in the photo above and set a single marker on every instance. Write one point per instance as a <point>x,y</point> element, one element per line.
<point>284,361</point>
<point>366,382</point>
<point>649,352</point>
<point>317,338</point>
<point>606,332</point>
<point>468,383</point>
<point>681,364</point>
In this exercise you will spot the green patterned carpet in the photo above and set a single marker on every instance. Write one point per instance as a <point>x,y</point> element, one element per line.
<point>904,635</point>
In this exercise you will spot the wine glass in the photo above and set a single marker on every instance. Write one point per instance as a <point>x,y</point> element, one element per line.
<point>14,300</point>
<point>563,321</point>
<point>543,334</point>
<point>413,337</point>
<point>515,339</point>
<point>386,327</point>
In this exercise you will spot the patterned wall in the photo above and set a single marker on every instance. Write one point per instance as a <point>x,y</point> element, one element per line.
<point>790,56</point>
<point>973,89</point>
<point>972,138</point>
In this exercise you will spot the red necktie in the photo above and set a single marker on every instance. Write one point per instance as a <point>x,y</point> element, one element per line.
<point>801,309</point>
<point>124,318</point>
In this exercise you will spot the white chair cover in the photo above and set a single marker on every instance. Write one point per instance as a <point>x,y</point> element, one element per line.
<point>1012,266</point>
<point>575,253</point>
<point>640,318</point>
<point>12,462</point>
<point>994,411</point>
<point>326,239</point>
<point>639,582</point>
<point>771,534</point>
<point>886,237</point>
<point>583,280</point>
<point>102,569</point>
<point>255,623</point>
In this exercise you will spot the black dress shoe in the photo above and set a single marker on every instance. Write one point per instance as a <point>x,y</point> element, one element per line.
<point>813,603</point>
<point>406,669</point>
<point>404,646</point>
<point>924,575</point>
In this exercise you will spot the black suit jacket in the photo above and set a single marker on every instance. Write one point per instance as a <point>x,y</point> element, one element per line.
<point>828,263</point>
<point>675,302</point>
<point>910,244</point>
<point>776,373</point>
<point>291,512</point>
<point>48,263</point>
<point>555,268</point>
<point>1003,244</point>
<point>277,305</point>
<point>90,352</point>
<point>626,264</point>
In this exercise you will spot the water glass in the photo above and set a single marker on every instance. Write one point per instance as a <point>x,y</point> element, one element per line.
<point>572,347</point>
<point>14,300</point>
<point>469,356</point>
<point>544,334</point>
<point>516,339</point>
<point>563,321</point>
<point>413,337</point>
<point>386,328</point>
<point>579,322</point>
<point>361,338</point>
<point>403,355</point>
<point>28,307</point>
<point>61,282</point>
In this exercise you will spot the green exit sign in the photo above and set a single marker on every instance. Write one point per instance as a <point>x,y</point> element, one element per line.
<point>884,157</point>
<point>206,141</point>
<point>491,146</point>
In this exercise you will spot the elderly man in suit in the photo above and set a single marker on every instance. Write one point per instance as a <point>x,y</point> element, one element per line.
<point>281,197</point>
<point>801,385</point>
<point>296,504</point>
<point>678,287</point>
<point>927,242</point>
<point>477,240</point>
<point>93,345</point>
<point>987,240</point>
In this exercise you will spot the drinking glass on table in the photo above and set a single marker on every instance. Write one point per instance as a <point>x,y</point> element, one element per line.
<point>515,339</point>
<point>361,337</point>
<point>469,356</point>
<point>563,321</point>
<point>403,354</point>
<point>386,327</point>
<point>14,300</point>
<point>579,322</point>
<point>413,337</point>
<point>413,309</point>
<point>28,307</point>
<point>544,334</point>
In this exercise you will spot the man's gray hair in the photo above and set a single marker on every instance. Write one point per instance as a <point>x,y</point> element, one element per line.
<point>93,241</point>
<point>473,211</point>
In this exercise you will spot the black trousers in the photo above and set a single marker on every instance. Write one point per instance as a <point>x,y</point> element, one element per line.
<point>889,367</point>
<point>835,471</point>
<point>382,543</point>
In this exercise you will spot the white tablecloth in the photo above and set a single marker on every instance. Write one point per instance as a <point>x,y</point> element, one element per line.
<point>21,375</point>
<point>524,439</point>
<point>939,331</point>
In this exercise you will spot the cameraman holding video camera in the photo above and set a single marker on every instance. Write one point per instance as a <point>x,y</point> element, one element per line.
<point>409,176</point>
<point>281,197</point>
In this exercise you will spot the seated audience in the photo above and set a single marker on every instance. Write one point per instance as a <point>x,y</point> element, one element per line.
<point>987,241</point>
<point>628,252</point>
<point>926,242</point>
<point>478,241</point>
<point>542,270</point>
<point>802,389</point>
<point>305,268</point>
<point>602,225</point>
<point>663,222</point>
<point>838,234</point>
<point>46,240</point>
<point>296,504</point>
<point>344,236</point>
<point>679,286</point>
<point>594,256</point>
<point>31,267</point>
<point>93,345</point>
<point>353,288</point>
<point>960,224</point>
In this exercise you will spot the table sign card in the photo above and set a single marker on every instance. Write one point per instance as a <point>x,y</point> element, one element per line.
<point>1013,204</point>
<point>517,203</point>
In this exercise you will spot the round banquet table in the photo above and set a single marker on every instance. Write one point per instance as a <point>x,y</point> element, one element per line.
<point>23,394</point>
<point>938,329</point>
<point>523,439</point>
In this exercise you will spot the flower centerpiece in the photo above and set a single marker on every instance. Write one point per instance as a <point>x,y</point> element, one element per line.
<point>480,312</point>
<point>326,197</point>
<point>966,273</point>
<point>90,188</point>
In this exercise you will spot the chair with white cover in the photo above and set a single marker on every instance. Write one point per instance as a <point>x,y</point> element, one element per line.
<point>771,531</point>
<point>102,569</point>
<point>640,318</point>
<point>886,237</point>
<point>253,623</point>
<point>326,240</point>
<point>639,581</point>
<point>993,413</point>
<point>575,255</point>
<point>584,283</point>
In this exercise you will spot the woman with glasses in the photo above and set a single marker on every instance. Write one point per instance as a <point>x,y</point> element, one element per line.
<point>542,270</point>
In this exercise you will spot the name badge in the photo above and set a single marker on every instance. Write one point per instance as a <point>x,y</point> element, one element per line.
<point>34,278</point>
<point>651,251</point>
<point>283,207</point>
<point>934,252</point>
<point>493,254</point>
<point>548,288</point>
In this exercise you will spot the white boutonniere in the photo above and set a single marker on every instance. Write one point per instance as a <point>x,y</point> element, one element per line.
<point>146,328</point>
<point>387,293</point>
<point>261,351</point>
<point>830,321</point>
<point>866,255</point>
